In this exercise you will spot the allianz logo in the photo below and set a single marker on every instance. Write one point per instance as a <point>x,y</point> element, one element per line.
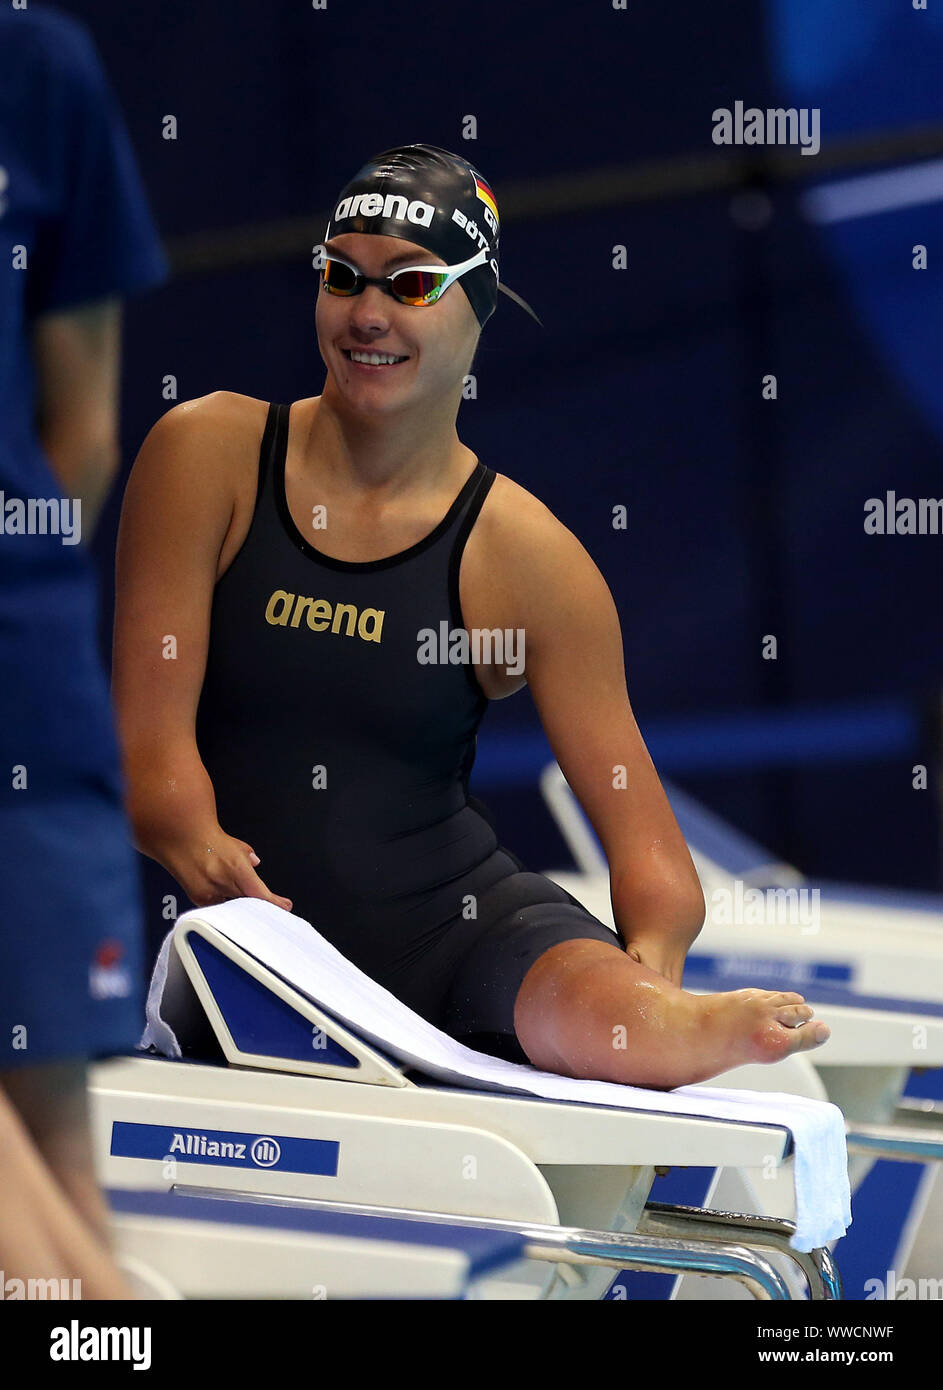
<point>264,1151</point>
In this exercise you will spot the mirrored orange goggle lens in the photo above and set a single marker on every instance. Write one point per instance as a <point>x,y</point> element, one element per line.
<point>409,286</point>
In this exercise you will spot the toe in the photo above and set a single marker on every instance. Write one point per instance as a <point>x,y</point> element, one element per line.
<point>793,1014</point>
<point>811,1035</point>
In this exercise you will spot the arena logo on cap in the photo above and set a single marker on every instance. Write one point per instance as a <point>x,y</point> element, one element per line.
<point>393,206</point>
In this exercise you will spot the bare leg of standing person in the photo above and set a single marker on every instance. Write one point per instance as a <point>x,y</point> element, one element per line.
<point>53,1218</point>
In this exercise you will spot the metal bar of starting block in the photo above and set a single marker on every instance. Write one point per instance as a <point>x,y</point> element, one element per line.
<point>567,1244</point>
<point>918,1112</point>
<point>818,1267</point>
<point>918,1145</point>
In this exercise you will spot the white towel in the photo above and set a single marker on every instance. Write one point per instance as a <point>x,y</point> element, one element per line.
<point>294,950</point>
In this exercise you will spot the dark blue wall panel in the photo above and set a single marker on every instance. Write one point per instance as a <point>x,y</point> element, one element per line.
<point>745,517</point>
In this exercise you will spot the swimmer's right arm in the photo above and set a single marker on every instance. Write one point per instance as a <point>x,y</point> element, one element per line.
<point>176,513</point>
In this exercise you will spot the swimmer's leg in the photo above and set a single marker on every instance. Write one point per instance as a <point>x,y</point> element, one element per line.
<point>586,1009</point>
<point>47,1174</point>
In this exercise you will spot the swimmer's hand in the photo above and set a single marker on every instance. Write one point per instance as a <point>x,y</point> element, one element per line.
<point>214,867</point>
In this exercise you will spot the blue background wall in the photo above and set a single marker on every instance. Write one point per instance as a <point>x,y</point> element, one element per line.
<point>745,517</point>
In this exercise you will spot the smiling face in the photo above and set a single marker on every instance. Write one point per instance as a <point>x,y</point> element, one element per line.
<point>437,342</point>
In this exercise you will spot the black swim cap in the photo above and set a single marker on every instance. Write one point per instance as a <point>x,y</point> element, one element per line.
<point>439,201</point>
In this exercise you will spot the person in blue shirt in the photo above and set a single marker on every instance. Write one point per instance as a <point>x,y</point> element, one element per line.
<point>76,236</point>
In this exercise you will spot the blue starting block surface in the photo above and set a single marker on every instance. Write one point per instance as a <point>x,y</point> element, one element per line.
<point>713,974</point>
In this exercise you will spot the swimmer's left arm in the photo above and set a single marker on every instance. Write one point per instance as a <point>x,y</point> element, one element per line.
<point>575,667</point>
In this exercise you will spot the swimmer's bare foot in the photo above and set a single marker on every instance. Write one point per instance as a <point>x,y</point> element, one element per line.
<point>587,1010</point>
<point>757,1025</point>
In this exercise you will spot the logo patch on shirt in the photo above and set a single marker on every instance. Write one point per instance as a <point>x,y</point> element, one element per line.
<point>108,978</point>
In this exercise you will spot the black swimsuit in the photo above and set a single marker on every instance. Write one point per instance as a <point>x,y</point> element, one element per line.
<point>343,759</point>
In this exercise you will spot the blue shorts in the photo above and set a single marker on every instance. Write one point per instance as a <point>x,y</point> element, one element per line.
<point>71,969</point>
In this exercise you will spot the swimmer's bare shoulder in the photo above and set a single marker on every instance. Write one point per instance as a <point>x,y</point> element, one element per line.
<point>199,464</point>
<point>528,571</point>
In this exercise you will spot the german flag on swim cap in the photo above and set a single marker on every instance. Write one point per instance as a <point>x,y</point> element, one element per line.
<point>486,196</point>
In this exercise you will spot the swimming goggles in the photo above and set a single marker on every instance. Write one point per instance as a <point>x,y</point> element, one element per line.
<point>417,285</point>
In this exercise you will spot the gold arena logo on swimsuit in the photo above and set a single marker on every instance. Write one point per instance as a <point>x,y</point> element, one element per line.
<point>285,610</point>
